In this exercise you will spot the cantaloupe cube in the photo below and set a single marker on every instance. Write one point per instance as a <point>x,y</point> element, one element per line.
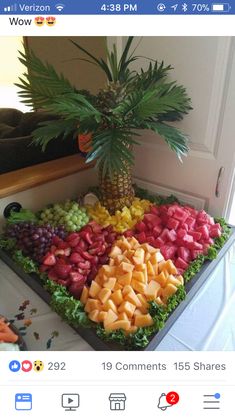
<point>161,279</point>
<point>84,295</point>
<point>169,290</point>
<point>117,286</point>
<point>110,318</point>
<point>94,289</point>
<point>159,301</point>
<point>126,289</point>
<point>134,243</point>
<point>132,297</point>
<point>167,274</point>
<point>115,251</point>
<point>125,279</point>
<point>121,324</point>
<point>147,257</point>
<point>139,276</point>
<point>149,249</point>
<point>94,315</point>
<point>102,316</point>
<point>137,312</point>
<point>140,267</point>
<point>126,267</point>
<point>128,308</point>
<point>110,283</point>
<point>144,304</point>
<point>173,280</point>
<point>104,295</point>
<point>150,269</point>
<point>138,258</point>
<point>109,304</point>
<point>125,245</point>
<point>138,286</point>
<point>170,267</point>
<point>152,289</point>
<point>111,262</point>
<point>107,270</point>
<point>123,316</point>
<point>156,257</point>
<point>118,260</point>
<point>161,266</point>
<point>92,304</point>
<point>181,279</point>
<point>117,297</point>
<point>143,320</point>
<point>132,329</point>
<point>99,280</point>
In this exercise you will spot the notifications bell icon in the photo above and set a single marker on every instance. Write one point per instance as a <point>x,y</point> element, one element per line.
<point>166,401</point>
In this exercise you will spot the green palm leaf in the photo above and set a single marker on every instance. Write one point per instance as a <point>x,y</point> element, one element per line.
<point>41,83</point>
<point>54,129</point>
<point>176,140</point>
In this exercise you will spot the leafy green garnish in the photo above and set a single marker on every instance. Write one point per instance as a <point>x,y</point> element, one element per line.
<point>24,215</point>
<point>69,308</point>
<point>27,264</point>
<point>153,198</point>
<point>7,244</point>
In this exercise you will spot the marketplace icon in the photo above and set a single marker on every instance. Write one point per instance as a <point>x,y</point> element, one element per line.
<point>117,401</point>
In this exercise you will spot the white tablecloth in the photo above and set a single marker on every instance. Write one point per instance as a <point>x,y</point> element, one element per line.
<point>206,324</point>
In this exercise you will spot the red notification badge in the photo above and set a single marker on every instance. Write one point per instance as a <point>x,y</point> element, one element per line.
<point>172,398</point>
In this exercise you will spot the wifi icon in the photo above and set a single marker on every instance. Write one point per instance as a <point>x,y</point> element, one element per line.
<point>59,7</point>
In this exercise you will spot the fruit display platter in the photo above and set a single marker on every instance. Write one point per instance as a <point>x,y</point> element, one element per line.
<point>120,280</point>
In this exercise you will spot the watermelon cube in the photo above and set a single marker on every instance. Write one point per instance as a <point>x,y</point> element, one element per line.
<point>181,264</point>
<point>184,253</point>
<point>204,231</point>
<point>190,222</point>
<point>152,219</point>
<point>196,235</point>
<point>172,223</point>
<point>215,231</point>
<point>196,253</point>
<point>168,251</point>
<point>172,236</point>
<point>140,226</point>
<point>141,237</point>
<point>181,214</point>
<point>157,231</point>
<point>181,233</point>
<point>158,242</point>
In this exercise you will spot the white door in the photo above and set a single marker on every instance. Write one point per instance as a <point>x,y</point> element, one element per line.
<point>206,67</point>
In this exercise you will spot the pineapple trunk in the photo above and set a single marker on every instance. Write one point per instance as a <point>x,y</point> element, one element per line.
<point>118,191</point>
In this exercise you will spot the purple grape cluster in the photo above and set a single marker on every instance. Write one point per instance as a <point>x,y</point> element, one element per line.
<point>34,240</point>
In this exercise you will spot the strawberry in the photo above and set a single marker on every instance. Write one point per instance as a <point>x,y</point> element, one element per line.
<point>49,259</point>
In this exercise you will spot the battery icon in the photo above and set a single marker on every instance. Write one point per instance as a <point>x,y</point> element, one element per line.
<point>221,7</point>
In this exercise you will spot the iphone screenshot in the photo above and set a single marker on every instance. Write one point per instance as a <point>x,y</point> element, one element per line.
<point>117,208</point>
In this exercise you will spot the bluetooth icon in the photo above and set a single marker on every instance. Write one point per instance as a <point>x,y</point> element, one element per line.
<point>184,7</point>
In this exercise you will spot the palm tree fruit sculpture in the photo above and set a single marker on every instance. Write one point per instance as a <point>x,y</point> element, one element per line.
<point>130,101</point>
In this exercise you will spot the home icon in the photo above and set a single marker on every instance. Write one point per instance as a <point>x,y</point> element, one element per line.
<point>117,401</point>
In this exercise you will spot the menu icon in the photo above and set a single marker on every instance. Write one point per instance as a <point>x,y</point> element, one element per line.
<point>211,401</point>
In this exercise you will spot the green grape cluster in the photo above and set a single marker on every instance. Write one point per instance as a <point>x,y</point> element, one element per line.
<point>69,214</point>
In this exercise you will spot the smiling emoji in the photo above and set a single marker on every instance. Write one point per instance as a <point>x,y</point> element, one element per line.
<point>50,21</point>
<point>39,21</point>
